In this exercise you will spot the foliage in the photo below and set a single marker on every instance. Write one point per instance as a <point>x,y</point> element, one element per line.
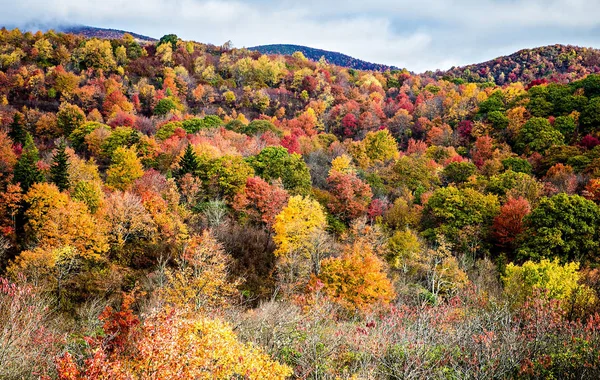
<point>563,226</point>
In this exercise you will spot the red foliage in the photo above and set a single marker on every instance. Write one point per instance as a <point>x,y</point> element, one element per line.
<point>351,196</point>
<point>509,223</point>
<point>260,201</point>
<point>483,150</point>
<point>589,142</point>
<point>118,325</point>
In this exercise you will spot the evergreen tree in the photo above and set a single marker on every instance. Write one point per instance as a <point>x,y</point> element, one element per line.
<point>59,174</point>
<point>26,171</point>
<point>17,132</point>
<point>188,163</point>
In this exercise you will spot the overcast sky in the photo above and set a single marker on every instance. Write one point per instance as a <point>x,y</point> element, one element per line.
<point>418,34</point>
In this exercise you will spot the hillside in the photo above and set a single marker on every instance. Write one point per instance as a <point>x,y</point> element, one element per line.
<point>90,32</point>
<point>313,54</point>
<point>560,63</point>
<point>179,210</point>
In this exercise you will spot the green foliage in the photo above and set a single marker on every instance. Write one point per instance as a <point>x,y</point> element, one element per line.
<point>59,171</point>
<point>26,171</point>
<point>197,124</point>
<point>498,119</point>
<point>17,132</point>
<point>563,226</point>
<point>164,106</point>
<point>224,176</point>
<point>590,117</point>
<point>459,172</point>
<point>77,137</point>
<point>413,172</point>
<point>538,135</point>
<point>276,163</point>
<point>547,279</point>
<point>517,165</point>
<point>258,126</point>
<point>69,117</point>
<point>168,130</point>
<point>188,163</point>
<point>450,210</point>
<point>169,39</point>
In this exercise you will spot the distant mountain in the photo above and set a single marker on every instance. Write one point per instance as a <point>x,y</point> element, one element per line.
<point>90,32</point>
<point>334,58</point>
<point>559,63</point>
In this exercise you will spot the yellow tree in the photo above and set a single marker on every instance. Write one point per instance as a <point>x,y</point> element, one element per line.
<point>55,220</point>
<point>357,279</point>
<point>201,280</point>
<point>300,237</point>
<point>126,167</point>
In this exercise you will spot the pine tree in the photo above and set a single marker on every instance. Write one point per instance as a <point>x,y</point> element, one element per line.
<point>26,171</point>
<point>17,132</point>
<point>188,163</point>
<point>59,174</point>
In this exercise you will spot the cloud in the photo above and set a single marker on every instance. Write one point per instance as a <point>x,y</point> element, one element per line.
<point>419,35</point>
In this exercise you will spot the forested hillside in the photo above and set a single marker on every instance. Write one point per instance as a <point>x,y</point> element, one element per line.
<point>313,54</point>
<point>177,210</point>
<point>554,63</point>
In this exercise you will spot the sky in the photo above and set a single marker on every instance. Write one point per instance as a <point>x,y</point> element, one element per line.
<point>418,35</point>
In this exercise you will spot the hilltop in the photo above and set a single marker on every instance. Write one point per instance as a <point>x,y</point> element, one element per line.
<point>109,34</point>
<point>559,63</point>
<point>313,54</point>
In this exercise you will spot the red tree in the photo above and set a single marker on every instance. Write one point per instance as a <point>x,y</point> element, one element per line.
<point>509,223</point>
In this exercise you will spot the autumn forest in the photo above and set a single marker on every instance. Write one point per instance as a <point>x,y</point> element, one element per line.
<point>178,210</point>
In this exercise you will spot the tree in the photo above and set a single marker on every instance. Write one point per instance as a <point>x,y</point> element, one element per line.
<point>125,168</point>
<point>538,135</point>
<point>351,196</point>
<point>201,281</point>
<point>299,234</point>
<point>356,280</point>
<point>261,202</point>
<point>274,163</point>
<point>450,210</point>
<point>564,227</point>
<point>459,172</point>
<point>188,163</point>
<point>54,220</point>
<point>26,171</point>
<point>508,225</point>
<point>547,279</point>
<point>59,171</point>
<point>17,131</point>
<point>69,117</point>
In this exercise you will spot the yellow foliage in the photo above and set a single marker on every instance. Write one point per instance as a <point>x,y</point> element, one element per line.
<point>125,168</point>
<point>342,164</point>
<point>560,282</point>
<point>201,283</point>
<point>174,347</point>
<point>296,224</point>
<point>54,220</point>
<point>357,279</point>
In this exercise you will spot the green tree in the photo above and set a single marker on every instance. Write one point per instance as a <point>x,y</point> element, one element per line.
<point>188,163</point>
<point>26,171</point>
<point>538,135</point>
<point>17,132</point>
<point>276,163</point>
<point>450,210</point>
<point>459,172</point>
<point>69,117</point>
<point>563,226</point>
<point>59,172</point>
